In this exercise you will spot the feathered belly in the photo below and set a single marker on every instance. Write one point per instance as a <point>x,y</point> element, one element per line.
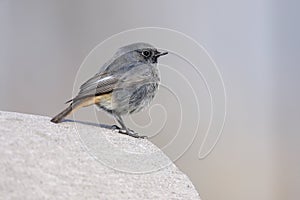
<point>132,100</point>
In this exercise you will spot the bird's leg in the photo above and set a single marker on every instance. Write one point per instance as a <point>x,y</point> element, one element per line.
<point>125,130</point>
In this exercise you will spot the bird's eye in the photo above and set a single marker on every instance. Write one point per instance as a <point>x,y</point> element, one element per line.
<point>146,53</point>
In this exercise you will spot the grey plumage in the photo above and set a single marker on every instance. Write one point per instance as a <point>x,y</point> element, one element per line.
<point>125,84</point>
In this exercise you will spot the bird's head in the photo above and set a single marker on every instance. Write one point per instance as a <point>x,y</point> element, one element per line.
<point>141,52</point>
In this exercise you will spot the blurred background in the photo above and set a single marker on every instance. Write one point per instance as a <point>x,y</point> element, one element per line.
<point>254,43</point>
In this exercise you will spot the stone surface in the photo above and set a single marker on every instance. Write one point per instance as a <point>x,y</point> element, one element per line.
<point>76,160</point>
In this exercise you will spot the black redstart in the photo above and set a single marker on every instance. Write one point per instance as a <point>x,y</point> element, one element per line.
<point>126,84</point>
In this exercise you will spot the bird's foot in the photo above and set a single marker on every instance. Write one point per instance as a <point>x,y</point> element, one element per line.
<point>115,127</point>
<point>131,133</point>
<point>128,132</point>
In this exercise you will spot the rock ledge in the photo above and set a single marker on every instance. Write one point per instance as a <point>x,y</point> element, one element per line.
<point>42,160</point>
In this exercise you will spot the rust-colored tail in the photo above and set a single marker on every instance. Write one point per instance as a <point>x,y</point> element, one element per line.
<point>76,104</point>
<point>58,118</point>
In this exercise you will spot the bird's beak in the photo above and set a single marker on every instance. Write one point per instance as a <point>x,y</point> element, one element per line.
<point>158,54</point>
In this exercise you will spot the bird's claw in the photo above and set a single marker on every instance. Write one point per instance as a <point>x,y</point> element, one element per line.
<point>131,133</point>
<point>115,127</point>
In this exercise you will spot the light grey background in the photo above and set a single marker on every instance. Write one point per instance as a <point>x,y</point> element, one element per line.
<point>255,44</point>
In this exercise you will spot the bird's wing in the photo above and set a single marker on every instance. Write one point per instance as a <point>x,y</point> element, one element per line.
<point>100,83</point>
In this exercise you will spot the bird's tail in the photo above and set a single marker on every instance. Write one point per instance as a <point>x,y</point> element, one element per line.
<point>58,118</point>
<point>76,104</point>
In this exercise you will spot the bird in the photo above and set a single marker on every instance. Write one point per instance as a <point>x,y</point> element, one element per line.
<point>124,85</point>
